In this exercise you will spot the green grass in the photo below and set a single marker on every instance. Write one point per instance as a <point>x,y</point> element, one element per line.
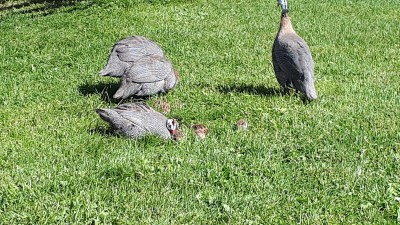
<point>333,161</point>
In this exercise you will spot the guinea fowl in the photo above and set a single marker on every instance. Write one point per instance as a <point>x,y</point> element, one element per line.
<point>147,76</point>
<point>127,51</point>
<point>136,120</point>
<point>291,57</point>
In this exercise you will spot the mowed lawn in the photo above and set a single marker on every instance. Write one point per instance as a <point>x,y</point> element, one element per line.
<point>332,161</point>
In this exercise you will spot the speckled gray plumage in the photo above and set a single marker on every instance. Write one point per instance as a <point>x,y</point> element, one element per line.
<point>126,51</point>
<point>292,60</point>
<point>147,76</point>
<point>135,120</point>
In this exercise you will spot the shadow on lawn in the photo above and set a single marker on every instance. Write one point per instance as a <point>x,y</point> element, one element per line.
<point>106,90</point>
<point>106,132</point>
<point>47,7</point>
<point>251,89</point>
<point>42,7</point>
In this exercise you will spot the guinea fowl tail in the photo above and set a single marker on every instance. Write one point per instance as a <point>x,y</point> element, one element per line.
<point>104,114</point>
<point>120,93</point>
<point>312,95</point>
<point>104,72</point>
<point>310,92</point>
<point>114,67</point>
<point>111,71</point>
<point>125,90</point>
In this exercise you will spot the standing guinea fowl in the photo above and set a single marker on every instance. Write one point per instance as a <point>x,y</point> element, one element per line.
<point>127,51</point>
<point>147,76</point>
<point>136,120</point>
<point>291,57</point>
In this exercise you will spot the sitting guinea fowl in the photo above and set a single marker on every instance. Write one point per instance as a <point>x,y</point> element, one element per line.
<point>137,120</point>
<point>291,57</point>
<point>148,76</point>
<point>127,51</point>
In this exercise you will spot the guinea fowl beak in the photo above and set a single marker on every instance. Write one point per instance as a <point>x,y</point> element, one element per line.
<point>172,132</point>
<point>176,135</point>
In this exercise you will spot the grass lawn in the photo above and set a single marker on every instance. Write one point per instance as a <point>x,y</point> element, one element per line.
<point>335,160</point>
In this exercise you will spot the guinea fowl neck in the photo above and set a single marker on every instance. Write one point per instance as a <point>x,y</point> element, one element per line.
<point>286,24</point>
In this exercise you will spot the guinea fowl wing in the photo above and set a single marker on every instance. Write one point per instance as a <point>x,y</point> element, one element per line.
<point>293,56</point>
<point>149,70</point>
<point>145,122</point>
<point>127,51</point>
<point>115,67</point>
<point>133,119</point>
<point>133,48</point>
<point>136,107</point>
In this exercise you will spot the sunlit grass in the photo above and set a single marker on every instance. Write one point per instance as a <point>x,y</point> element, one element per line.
<point>334,160</point>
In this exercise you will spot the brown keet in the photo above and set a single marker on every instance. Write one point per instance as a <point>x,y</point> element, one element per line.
<point>242,124</point>
<point>163,106</point>
<point>200,130</point>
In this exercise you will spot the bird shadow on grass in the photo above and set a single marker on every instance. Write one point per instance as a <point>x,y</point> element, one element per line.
<point>250,89</point>
<point>42,7</point>
<point>48,7</point>
<point>106,132</point>
<point>262,91</point>
<point>106,91</point>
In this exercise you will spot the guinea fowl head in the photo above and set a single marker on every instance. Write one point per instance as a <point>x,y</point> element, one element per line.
<point>283,4</point>
<point>286,24</point>
<point>173,128</point>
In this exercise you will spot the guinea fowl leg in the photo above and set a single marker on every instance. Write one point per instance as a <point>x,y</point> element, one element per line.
<point>286,87</point>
